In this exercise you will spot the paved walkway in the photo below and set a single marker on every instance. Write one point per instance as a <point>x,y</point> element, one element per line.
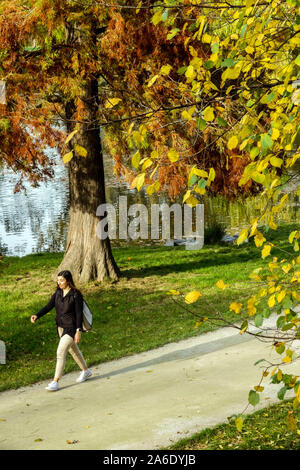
<point>145,401</point>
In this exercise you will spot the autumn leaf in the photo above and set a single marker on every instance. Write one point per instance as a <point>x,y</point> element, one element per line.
<point>67,157</point>
<point>232,142</point>
<point>192,297</point>
<point>112,102</point>
<point>221,285</point>
<point>209,114</point>
<point>80,150</point>
<point>235,307</point>
<point>173,155</point>
<point>71,135</point>
<point>173,292</point>
<point>239,422</point>
<point>266,250</point>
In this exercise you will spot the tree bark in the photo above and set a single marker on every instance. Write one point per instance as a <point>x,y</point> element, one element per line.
<point>87,256</point>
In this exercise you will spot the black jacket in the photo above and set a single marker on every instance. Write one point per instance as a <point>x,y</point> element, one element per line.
<point>68,309</point>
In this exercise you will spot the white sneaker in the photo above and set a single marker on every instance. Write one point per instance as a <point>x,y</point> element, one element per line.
<point>52,386</point>
<point>85,374</point>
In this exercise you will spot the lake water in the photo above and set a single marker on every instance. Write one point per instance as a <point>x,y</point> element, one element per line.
<point>36,221</point>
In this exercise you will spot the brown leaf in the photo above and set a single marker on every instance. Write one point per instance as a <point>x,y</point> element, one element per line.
<point>71,442</point>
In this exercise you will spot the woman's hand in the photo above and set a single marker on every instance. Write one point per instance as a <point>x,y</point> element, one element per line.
<point>77,337</point>
<point>33,318</point>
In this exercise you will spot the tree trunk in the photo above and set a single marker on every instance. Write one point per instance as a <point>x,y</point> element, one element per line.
<point>87,256</point>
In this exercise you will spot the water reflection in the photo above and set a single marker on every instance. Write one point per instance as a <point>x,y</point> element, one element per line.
<point>36,221</point>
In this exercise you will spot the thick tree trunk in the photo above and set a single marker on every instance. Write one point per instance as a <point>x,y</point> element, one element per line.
<point>87,256</point>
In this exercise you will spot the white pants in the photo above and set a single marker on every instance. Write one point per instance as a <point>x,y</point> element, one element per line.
<point>66,344</point>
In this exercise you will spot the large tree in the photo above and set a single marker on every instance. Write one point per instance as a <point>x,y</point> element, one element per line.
<point>49,65</point>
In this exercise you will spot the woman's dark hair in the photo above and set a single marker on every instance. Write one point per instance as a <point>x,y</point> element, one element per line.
<point>68,277</point>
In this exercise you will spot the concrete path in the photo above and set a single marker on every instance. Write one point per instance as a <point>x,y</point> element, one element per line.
<point>145,401</point>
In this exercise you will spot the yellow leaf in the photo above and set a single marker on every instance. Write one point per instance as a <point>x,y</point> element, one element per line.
<point>165,69</point>
<point>206,38</point>
<point>71,135</point>
<point>154,154</point>
<point>209,114</point>
<point>242,236</point>
<point>232,142</point>
<point>202,173</point>
<point>275,134</point>
<point>186,196</point>
<point>190,73</point>
<point>249,49</point>
<point>38,440</point>
<point>68,156</point>
<point>258,388</point>
<point>173,155</point>
<point>271,301</point>
<point>281,296</point>
<point>266,251</point>
<point>259,239</point>
<point>192,297</point>
<point>192,201</point>
<point>148,162</point>
<point>292,236</point>
<point>186,115</point>
<point>153,80</point>
<point>287,359</point>
<point>111,102</point>
<point>199,190</point>
<point>80,150</point>
<point>135,159</point>
<point>239,423</point>
<point>235,307</point>
<point>221,285</point>
<point>212,174</point>
<point>173,292</point>
<point>275,161</point>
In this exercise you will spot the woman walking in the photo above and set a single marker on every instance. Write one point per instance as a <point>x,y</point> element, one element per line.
<point>68,302</point>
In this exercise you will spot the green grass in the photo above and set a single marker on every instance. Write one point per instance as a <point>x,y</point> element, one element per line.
<point>265,429</point>
<point>131,315</point>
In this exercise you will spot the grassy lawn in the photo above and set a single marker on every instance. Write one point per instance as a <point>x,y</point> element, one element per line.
<point>131,315</point>
<point>263,430</point>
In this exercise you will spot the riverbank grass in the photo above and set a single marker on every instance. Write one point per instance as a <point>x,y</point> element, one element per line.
<point>132,315</point>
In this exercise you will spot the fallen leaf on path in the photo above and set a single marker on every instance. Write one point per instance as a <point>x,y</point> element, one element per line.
<point>38,440</point>
<point>2,419</point>
<point>71,442</point>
